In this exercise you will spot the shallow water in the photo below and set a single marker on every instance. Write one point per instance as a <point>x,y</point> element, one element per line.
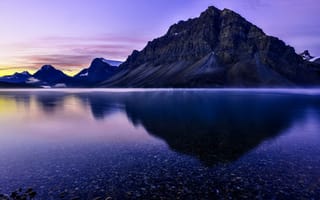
<point>136,144</point>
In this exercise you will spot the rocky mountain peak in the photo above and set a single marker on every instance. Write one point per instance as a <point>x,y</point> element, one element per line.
<point>47,67</point>
<point>99,70</point>
<point>225,32</point>
<point>228,12</point>
<point>24,73</point>
<point>210,12</point>
<point>100,64</point>
<point>217,49</point>
<point>50,75</point>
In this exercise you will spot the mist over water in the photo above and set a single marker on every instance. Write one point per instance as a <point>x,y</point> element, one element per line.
<point>133,144</point>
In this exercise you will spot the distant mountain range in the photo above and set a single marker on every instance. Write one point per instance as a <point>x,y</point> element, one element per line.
<point>48,76</point>
<point>218,49</point>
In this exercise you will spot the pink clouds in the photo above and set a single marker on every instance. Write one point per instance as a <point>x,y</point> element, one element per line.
<point>71,33</point>
<point>75,51</point>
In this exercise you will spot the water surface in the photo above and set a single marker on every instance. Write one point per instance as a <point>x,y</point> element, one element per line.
<point>136,144</point>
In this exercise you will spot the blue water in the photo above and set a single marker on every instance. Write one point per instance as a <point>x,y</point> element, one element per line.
<point>169,144</point>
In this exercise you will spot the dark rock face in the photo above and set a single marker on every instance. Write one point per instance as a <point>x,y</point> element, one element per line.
<point>98,71</point>
<point>218,49</point>
<point>48,74</point>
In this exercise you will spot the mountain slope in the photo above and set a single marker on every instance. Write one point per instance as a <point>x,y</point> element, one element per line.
<point>218,49</point>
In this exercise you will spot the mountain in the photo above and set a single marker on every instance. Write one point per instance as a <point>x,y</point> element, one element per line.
<point>99,70</point>
<point>18,80</point>
<point>51,76</point>
<point>48,76</point>
<point>218,49</point>
<point>22,77</point>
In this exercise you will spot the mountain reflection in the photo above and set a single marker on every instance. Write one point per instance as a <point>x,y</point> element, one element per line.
<point>214,127</point>
<point>101,105</point>
<point>50,102</point>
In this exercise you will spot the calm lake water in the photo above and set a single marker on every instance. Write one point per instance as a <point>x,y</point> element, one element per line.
<point>169,144</point>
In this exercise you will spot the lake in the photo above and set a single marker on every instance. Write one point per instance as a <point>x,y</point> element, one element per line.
<point>160,144</point>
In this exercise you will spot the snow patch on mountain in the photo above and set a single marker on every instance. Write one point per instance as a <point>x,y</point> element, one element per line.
<point>85,74</point>
<point>112,62</point>
<point>314,59</point>
<point>32,80</point>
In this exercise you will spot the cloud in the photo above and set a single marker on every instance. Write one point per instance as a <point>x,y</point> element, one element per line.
<point>111,38</point>
<point>17,68</point>
<point>57,59</point>
<point>73,52</point>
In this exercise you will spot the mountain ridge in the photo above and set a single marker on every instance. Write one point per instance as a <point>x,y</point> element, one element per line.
<point>49,76</point>
<point>220,48</point>
<point>244,54</point>
<point>99,70</point>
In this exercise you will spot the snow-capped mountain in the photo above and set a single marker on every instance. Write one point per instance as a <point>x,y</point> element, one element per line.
<point>99,70</point>
<point>112,62</point>
<point>48,76</point>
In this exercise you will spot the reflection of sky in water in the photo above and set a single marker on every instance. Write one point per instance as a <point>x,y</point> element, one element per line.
<point>259,141</point>
<point>64,120</point>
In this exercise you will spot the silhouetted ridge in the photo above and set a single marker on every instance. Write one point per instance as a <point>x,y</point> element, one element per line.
<point>51,75</point>
<point>99,70</point>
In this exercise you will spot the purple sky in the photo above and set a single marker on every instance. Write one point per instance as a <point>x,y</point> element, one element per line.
<point>69,33</point>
